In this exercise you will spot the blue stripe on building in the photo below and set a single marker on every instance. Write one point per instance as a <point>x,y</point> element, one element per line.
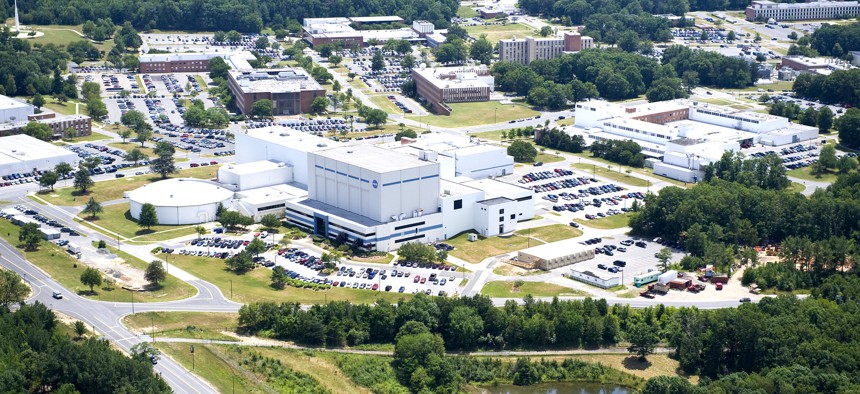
<point>353,177</point>
<point>390,184</point>
<point>299,218</point>
<point>410,180</point>
<point>365,180</point>
<point>430,176</point>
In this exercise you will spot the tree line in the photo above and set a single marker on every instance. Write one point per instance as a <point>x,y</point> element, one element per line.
<point>624,152</point>
<point>248,17</point>
<point>30,70</point>
<point>836,40</point>
<point>717,218</point>
<point>37,357</point>
<point>839,87</point>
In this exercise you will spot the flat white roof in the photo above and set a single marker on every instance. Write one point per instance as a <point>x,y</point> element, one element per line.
<point>391,34</point>
<point>280,80</point>
<point>554,250</point>
<point>595,273</point>
<point>376,19</point>
<point>291,138</point>
<point>273,193</point>
<point>374,158</point>
<point>454,77</point>
<point>180,192</point>
<point>9,103</point>
<point>494,188</point>
<point>21,147</point>
<point>455,189</point>
<point>252,167</point>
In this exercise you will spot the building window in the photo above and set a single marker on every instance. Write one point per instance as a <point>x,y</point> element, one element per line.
<point>458,204</point>
<point>501,212</point>
<point>513,216</point>
<point>501,218</point>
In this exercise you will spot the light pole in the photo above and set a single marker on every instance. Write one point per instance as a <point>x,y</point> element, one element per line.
<point>495,113</point>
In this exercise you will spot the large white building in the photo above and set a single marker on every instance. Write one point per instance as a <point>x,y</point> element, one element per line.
<point>181,200</point>
<point>525,51</point>
<point>22,154</point>
<point>766,10</point>
<point>12,111</point>
<point>685,135</point>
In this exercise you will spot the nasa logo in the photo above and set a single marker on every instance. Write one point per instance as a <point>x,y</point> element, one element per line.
<point>375,184</point>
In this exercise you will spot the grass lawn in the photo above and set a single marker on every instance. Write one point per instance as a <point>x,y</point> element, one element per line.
<point>358,83</point>
<point>478,113</point>
<point>547,158</point>
<point>63,35</point>
<point>171,289</point>
<point>117,218</point>
<point>113,189</point>
<point>613,175</point>
<point>499,32</point>
<point>805,173</point>
<point>382,259</point>
<point>474,252</point>
<point>505,289</point>
<point>128,146</point>
<point>67,108</point>
<point>320,368</point>
<point>551,233</point>
<point>209,365</point>
<point>796,187</point>
<point>644,171</point>
<point>566,121</point>
<point>254,285</point>
<point>657,364</point>
<point>94,136</point>
<point>196,325</point>
<point>466,12</point>
<point>777,87</point>
<point>202,83</point>
<point>385,104</point>
<point>614,221</point>
<point>65,269</point>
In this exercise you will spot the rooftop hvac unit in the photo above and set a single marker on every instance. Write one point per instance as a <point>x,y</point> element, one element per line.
<point>393,218</point>
<point>473,237</point>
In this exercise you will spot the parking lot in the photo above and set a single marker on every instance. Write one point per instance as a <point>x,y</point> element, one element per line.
<point>304,264</point>
<point>636,256</point>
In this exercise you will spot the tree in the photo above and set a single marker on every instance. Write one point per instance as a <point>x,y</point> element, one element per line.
<point>155,273</point>
<point>124,134</point>
<point>262,42</point>
<point>825,119</point>
<point>270,222</point>
<point>63,168</point>
<point>809,117</point>
<point>849,128</point>
<point>48,179</point>
<point>262,109</point>
<point>145,352</point>
<point>12,288</point>
<point>279,277</point>
<point>91,277</point>
<point>200,230</point>
<point>163,164</point>
<point>757,37</point>
<point>135,155</point>
<point>133,119</point>
<point>452,51</point>
<point>828,156</point>
<point>731,37</point>
<point>83,181</point>
<point>148,216</point>
<point>80,329</point>
<point>143,133</point>
<point>792,35</point>
<point>663,256</point>
<point>377,63</point>
<point>408,61</point>
<point>96,108</point>
<point>522,151</point>
<point>408,133</point>
<point>416,351</point>
<point>417,252</point>
<point>846,164</point>
<point>482,50</point>
<point>240,262</point>
<point>545,31</point>
<point>38,101</point>
<point>464,328</point>
<point>38,130</point>
<point>376,117</point>
<point>233,36</point>
<point>90,163</point>
<point>256,246</point>
<point>628,41</point>
<point>335,60</point>
<point>30,236</point>
<point>93,208</point>
<point>319,105</point>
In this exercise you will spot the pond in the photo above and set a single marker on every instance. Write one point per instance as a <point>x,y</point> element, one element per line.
<point>557,388</point>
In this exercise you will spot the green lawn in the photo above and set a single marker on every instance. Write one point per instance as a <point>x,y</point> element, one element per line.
<point>64,268</point>
<point>254,286</point>
<point>113,189</point>
<point>551,233</point>
<point>128,146</point>
<point>206,363</point>
<point>197,325</point>
<point>171,289</point>
<point>609,222</point>
<point>202,82</point>
<point>499,32</point>
<point>614,175</point>
<point>477,113</point>
<point>644,171</point>
<point>94,136</point>
<point>474,252</point>
<point>67,108</point>
<point>547,158</point>
<point>466,12</point>
<point>569,121</point>
<point>805,173</point>
<point>505,289</point>
<point>117,218</point>
<point>796,187</point>
<point>62,35</point>
<point>385,104</point>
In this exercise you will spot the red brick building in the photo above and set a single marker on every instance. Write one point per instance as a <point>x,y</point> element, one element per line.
<point>291,90</point>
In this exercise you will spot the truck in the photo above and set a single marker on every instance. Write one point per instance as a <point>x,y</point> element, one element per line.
<point>658,288</point>
<point>73,248</point>
<point>696,288</point>
<point>680,284</point>
<point>667,277</point>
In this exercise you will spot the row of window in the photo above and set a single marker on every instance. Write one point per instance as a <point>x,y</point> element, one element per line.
<point>637,131</point>
<point>727,116</point>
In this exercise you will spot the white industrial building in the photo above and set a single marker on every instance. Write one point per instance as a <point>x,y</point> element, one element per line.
<point>22,154</point>
<point>555,254</point>
<point>596,278</point>
<point>12,111</point>
<point>685,135</point>
<point>180,201</point>
<point>461,156</point>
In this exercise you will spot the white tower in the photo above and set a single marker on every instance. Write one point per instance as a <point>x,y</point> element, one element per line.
<point>17,23</point>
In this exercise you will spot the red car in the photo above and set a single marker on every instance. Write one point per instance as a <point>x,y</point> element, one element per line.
<point>195,165</point>
<point>417,278</point>
<point>375,287</point>
<point>213,162</point>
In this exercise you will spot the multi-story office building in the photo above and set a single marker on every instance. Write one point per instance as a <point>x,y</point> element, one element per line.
<point>452,85</point>
<point>191,62</point>
<point>14,116</point>
<point>291,90</point>
<point>764,9</point>
<point>525,51</point>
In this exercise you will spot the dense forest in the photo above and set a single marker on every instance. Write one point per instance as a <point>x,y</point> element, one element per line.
<point>35,357</point>
<point>243,16</point>
<point>778,345</point>
<point>744,203</point>
<point>836,40</point>
<point>27,70</point>
<point>839,87</point>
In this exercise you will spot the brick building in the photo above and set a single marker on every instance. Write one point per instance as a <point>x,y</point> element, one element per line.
<point>452,85</point>
<point>525,51</point>
<point>291,90</point>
